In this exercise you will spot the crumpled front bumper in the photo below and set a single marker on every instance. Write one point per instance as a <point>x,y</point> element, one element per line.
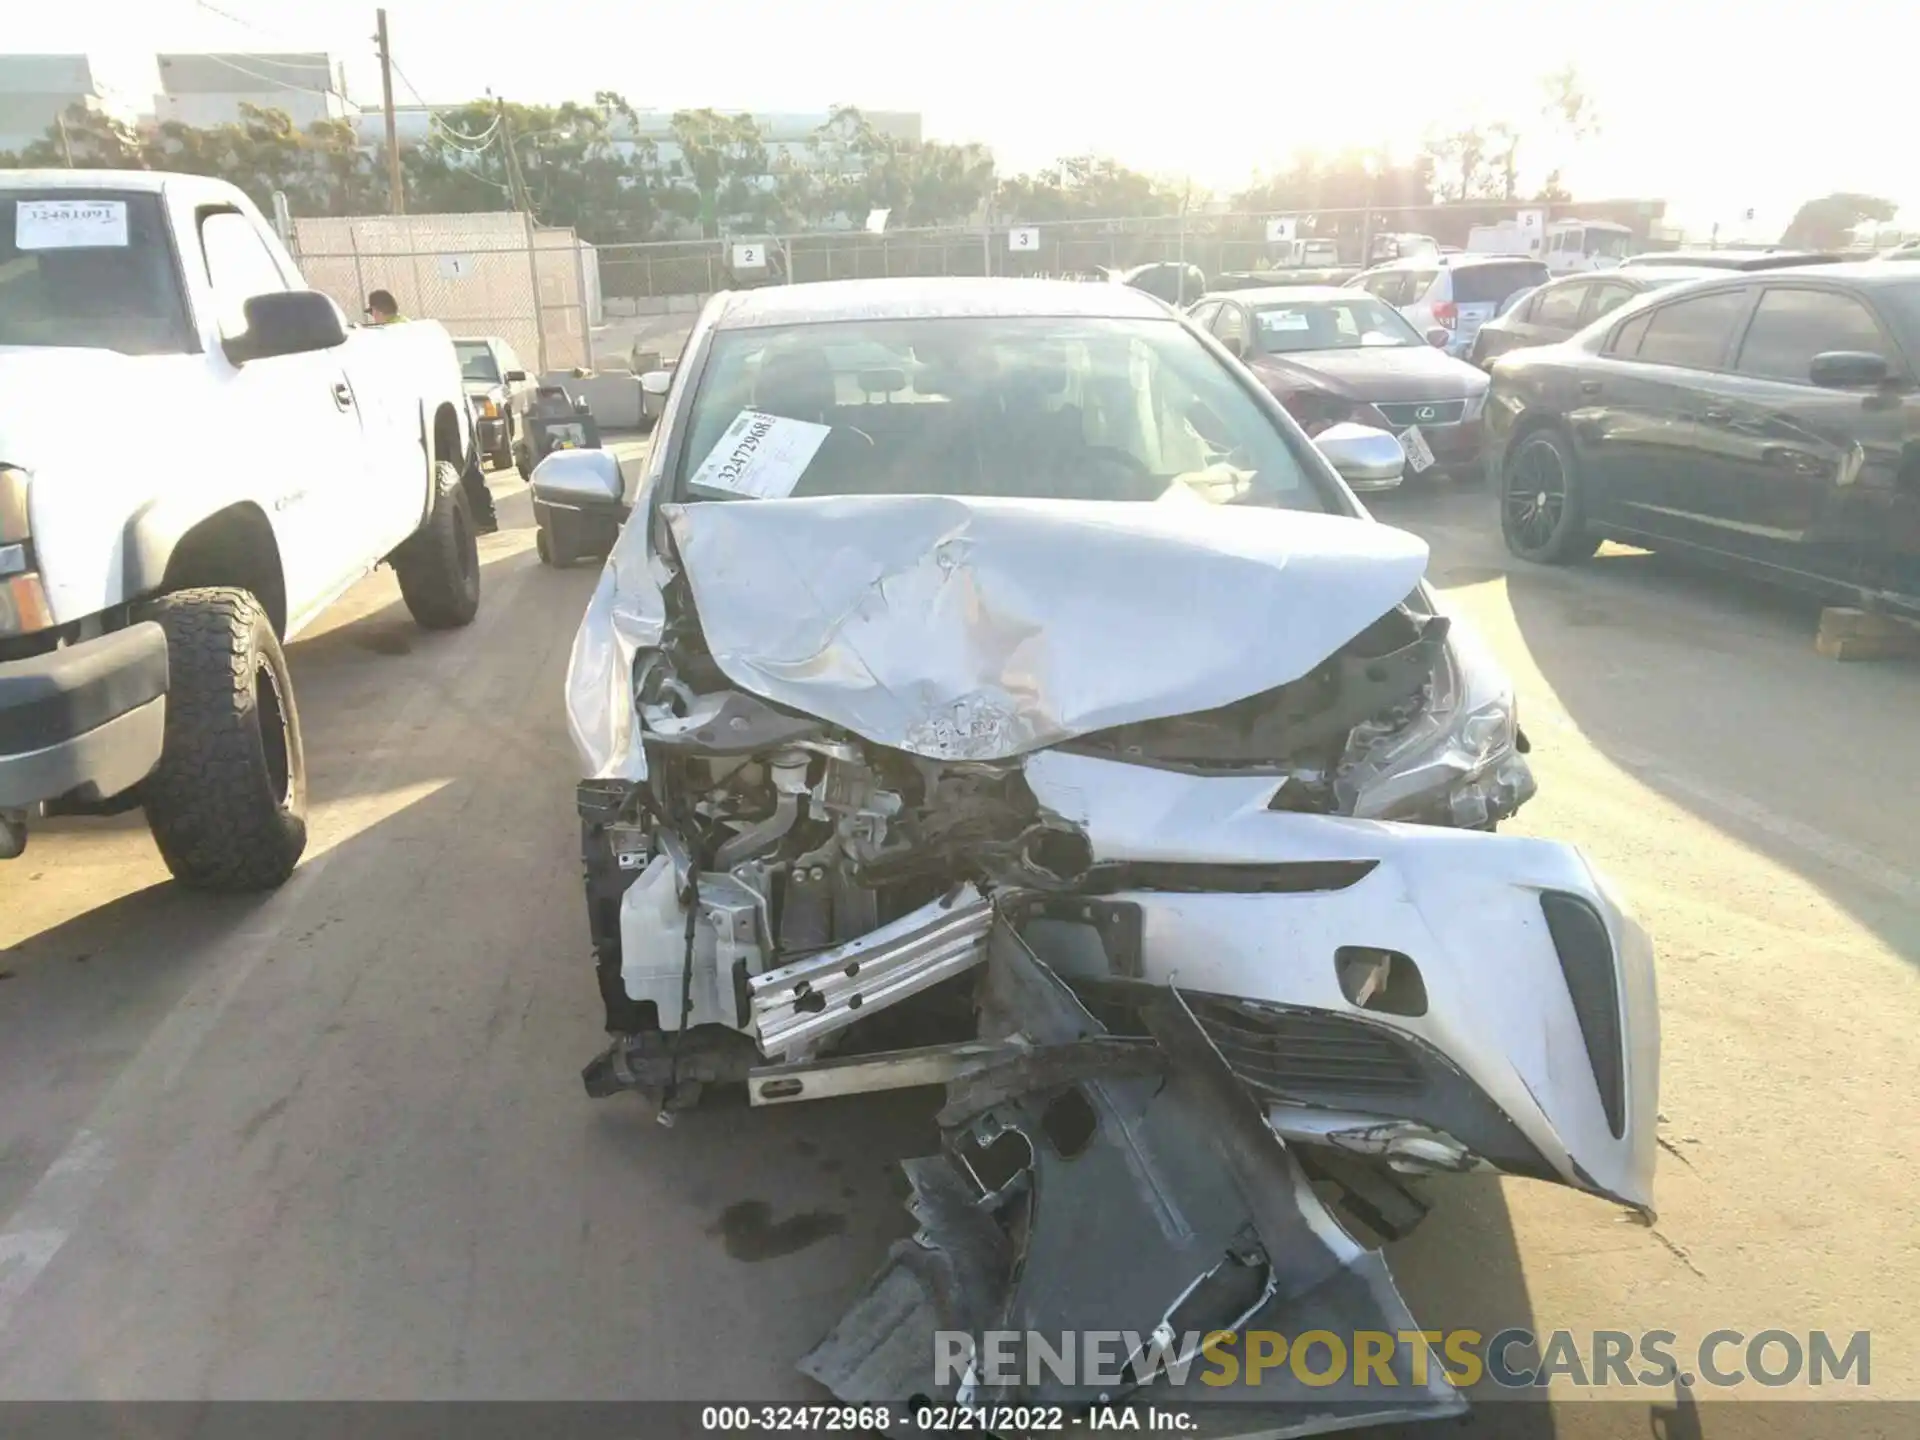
<point>85,721</point>
<point>1150,1203</point>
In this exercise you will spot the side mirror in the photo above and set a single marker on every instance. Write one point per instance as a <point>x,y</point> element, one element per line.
<point>580,479</point>
<point>515,377</point>
<point>1848,369</point>
<point>1439,337</point>
<point>581,407</point>
<point>579,504</point>
<point>287,322</point>
<point>656,382</point>
<point>1366,458</point>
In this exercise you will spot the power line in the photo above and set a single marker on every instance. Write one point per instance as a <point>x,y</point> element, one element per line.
<point>273,81</point>
<point>483,139</point>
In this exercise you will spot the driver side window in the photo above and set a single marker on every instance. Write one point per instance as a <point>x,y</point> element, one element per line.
<point>239,266</point>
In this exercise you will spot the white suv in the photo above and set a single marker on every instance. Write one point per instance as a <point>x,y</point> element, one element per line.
<point>1456,293</point>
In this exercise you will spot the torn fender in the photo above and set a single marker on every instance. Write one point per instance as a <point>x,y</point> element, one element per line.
<point>1538,1017</point>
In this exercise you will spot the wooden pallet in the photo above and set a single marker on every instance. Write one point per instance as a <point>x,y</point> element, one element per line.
<point>1850,634</point>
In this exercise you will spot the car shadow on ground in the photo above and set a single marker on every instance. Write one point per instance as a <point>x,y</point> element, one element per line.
<point>1704,685</point>
<point>1788,753</point>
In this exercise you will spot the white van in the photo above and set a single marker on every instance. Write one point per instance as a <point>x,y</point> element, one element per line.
<point>1577,245</point>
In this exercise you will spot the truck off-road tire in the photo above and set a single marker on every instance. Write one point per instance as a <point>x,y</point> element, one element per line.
<point>227,803</point>
<point>439,564</point>
<point>1542,515</point>
<point>523,460</point>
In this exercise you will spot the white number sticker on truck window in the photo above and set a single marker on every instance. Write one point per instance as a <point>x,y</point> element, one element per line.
<point>760,456</point>
<point>70,224</point>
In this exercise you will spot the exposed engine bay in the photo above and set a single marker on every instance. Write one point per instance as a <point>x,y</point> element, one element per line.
<point>794,838</point>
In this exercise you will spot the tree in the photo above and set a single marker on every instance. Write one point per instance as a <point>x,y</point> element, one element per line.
<point>1461,164</point>
<point>1570,111</point>
<point>725,157</point>
<point>1086,187</point>
<point>1481,160</point>
<point>1824,224</point>
<point>853,169</point>
<point>84,139</point>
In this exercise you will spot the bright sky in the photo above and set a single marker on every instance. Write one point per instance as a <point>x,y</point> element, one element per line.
<point>1714,107</point>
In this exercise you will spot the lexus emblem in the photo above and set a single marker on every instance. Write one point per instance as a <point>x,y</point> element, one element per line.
<point>1426,412</point>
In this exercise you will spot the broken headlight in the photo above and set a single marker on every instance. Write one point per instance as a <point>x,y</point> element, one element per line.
<point>1456,761</point>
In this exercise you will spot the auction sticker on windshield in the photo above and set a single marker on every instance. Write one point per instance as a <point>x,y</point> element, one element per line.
<point>69,224</point>
<point>1283,320</point>
<point>1419,455</point>
<point>760,456</point>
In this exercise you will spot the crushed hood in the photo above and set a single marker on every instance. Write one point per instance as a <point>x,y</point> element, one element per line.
<point>973,629</point>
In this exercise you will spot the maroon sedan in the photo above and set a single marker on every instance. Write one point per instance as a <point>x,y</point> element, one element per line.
<point>1332,355</point>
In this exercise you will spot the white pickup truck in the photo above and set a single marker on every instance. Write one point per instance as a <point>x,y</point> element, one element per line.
<point>197,456</point>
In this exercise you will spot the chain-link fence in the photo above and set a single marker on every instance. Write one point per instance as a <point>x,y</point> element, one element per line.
<point>537,288</point>
<point>657,278</point>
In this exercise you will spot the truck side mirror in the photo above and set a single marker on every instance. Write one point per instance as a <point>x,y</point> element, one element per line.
<point>515,377</point>
<point>287,322</point>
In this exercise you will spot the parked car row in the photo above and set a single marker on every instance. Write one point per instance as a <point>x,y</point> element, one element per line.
<point>1454,293</point>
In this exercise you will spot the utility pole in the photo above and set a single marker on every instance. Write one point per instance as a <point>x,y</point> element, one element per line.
<point>396,194</point>
<point>523,202</point>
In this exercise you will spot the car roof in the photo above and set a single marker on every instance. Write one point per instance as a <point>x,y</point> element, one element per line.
<point>1280,294</point>
<point>147,182</point>
<point>1668,273</point>
<point>1866,272</point>
<point>1464,260</point>
<point>825,301</point>
<point>1733,260</point>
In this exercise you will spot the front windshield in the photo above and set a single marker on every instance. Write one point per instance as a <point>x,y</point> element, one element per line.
<point>1349,323</point>
<point>476,361</point>
<point>89,269</point>
<point>1610,243</point>
<point>1024,407</point>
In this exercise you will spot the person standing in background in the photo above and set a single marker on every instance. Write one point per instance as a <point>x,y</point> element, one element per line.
<point>383,309</point>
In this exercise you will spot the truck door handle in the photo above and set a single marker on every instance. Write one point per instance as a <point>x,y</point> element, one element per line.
<point>1589,387</point>
<point>343,395</point>
<point>1716,417</point>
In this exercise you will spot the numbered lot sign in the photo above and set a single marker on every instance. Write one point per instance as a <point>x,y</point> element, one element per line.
<point>1027,239</point>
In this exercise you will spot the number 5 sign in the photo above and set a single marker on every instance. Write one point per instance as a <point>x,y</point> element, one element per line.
<point>1023,240</point>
